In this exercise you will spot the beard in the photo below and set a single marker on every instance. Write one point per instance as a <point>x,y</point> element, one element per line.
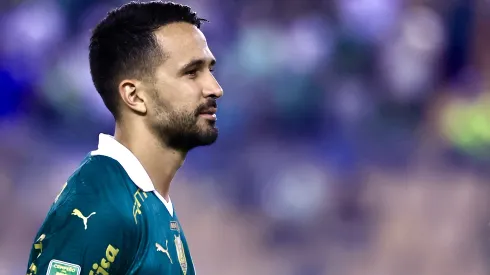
<point>183,130</point>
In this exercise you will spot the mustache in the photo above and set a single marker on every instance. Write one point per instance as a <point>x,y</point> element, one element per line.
<point>210,103</point>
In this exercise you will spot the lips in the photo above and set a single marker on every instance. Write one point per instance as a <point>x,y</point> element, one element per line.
<point>210,108</point>
<point>209,111</point>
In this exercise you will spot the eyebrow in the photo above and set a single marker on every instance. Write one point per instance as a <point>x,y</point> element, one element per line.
<point>198,63</point>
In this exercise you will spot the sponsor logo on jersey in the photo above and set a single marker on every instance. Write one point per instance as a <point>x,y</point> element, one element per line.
<point>179,246</point>
<point>139,198</point>
<point>164,250</point>
<point>57,267</point>
<point>32,269</point>
<point>79,214</point>
<point>105,264</point>
<point>38,246</point>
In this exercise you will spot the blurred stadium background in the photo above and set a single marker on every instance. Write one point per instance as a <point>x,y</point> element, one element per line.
<point>355,134</point>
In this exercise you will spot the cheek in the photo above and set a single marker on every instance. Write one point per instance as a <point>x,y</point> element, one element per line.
<point>181,95</point>
<point>184,102</point>
<point>187,110</point>
<point>188,89</point>
<point>158,105</point>
<point>158,109</point>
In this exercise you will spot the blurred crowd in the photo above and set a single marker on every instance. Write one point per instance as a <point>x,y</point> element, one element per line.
<point>354,134</point>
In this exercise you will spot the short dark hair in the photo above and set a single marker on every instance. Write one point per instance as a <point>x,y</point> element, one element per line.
<point>123,44</point>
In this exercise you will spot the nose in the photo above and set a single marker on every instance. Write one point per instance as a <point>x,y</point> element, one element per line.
<point>212,88</point>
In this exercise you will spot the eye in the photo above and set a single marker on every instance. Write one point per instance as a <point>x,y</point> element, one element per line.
<point>211,70</point>
<point>192,73</point>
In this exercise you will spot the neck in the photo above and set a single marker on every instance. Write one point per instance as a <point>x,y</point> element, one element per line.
<point>160,162</point>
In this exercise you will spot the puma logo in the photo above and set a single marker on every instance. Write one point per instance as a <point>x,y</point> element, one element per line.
<point>161,249</point>
<point>79,214</point>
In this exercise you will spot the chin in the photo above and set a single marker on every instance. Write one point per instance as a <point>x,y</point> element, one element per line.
<point>208,128</point>
<point>207,136</point>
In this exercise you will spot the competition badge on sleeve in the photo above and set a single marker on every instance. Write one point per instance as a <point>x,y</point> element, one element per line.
<point>58,267</point>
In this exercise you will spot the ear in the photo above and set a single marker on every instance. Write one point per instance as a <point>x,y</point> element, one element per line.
<point>131,92</point>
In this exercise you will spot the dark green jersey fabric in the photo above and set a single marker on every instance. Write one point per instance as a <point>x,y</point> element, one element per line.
<point>103,223</point>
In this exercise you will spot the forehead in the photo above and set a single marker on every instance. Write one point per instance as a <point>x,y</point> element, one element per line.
<point>182,42</point>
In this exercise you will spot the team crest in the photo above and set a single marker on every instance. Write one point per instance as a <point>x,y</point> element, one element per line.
<point>174,226</point>
<point>179,246</point>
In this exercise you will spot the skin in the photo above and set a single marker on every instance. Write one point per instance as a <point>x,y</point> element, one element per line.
<point>161,117</point>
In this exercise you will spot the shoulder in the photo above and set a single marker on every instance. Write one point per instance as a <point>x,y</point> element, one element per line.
<point>100,169</point>
<point>92,215</point>
<point>100,185</point>
<point>99,176</point>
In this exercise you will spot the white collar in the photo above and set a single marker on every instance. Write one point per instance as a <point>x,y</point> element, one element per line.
<point>110,147</point>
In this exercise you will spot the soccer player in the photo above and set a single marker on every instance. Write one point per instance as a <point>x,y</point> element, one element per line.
<point>153,69</point>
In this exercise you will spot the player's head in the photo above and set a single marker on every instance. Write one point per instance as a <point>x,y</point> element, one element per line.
<point>151,64</point>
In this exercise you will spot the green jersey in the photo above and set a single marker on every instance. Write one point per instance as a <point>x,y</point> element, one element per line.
<point>108,219</point>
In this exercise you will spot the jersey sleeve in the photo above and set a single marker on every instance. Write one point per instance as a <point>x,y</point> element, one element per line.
<point>86,231</point>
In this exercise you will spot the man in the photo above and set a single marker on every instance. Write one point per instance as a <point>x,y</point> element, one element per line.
<point>153,69</point>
